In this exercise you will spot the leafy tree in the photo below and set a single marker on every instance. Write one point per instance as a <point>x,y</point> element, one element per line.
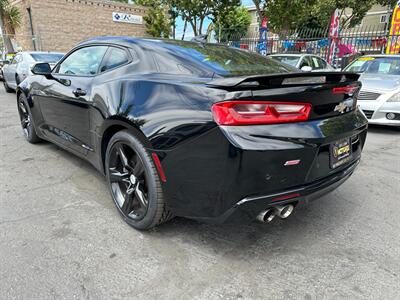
<point>194,12</point>
<point>10,19</point>
<point>233,25</point>
<point>157,22</point>
<point>291,14</point>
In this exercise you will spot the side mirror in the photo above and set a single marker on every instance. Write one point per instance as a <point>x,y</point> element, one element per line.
<point>45,70</point>
<point>42,69</point>
<point>6,62</point>
<point>306,69</point>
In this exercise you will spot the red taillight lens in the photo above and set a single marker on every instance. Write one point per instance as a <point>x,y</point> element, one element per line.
<point>259,112</point>
<point>345,90</point>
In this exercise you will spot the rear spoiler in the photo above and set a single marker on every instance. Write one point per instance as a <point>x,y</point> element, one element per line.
<point>289,79</point>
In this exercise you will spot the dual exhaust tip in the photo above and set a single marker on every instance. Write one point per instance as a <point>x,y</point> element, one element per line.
<point>282,212</point>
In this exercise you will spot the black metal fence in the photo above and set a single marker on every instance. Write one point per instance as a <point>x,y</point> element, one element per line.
<point>357,40</point>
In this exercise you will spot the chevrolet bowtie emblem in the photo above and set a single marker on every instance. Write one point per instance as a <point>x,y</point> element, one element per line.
<point>341,107</point>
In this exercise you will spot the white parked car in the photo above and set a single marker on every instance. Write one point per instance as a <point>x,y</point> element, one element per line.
<point>19,68</point>
<point>379,97</point>
<point>304,62</point>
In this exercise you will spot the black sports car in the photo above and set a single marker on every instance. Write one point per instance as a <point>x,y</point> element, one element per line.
<point>196,130</point>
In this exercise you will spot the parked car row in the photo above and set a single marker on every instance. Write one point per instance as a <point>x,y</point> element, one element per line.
<point>379,97</point>
<point>19,68</point>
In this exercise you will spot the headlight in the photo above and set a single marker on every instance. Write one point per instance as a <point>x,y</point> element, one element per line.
<point>394,98</point>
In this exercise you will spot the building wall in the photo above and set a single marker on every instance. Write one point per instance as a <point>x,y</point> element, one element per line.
<point>60,24</point>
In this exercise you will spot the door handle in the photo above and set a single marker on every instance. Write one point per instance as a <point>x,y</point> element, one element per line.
<point>79,92</point>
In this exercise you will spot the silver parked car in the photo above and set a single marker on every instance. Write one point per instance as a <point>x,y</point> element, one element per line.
<point>304,62</point>
<point>19,68</point>
<point>379,97</point>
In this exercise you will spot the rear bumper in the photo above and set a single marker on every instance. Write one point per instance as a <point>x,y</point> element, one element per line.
<point>248,208</point>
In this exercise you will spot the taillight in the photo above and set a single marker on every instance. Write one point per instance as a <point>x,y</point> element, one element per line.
<point>345,90</point>
<point>259,112</point>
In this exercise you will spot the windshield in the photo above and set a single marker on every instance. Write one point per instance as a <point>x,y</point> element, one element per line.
<point>47,57</point>
<point>375,65</point>
<point>290,60</point>
<point>223,60</point>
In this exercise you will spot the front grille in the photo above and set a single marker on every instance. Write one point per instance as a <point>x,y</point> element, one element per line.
<point>368,113</point>
<point>363,95</point>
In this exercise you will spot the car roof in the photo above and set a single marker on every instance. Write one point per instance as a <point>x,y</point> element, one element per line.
<point>129,41</point>
<point>42,52</point>
<point>381,55</point>
<point>288,54</point>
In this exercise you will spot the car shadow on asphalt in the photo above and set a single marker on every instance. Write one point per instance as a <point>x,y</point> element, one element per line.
<point>306,226</point>
<point>388,130</point>
<point>307,223</point>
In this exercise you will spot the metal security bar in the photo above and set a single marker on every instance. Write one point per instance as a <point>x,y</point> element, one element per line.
<point>357,40</point>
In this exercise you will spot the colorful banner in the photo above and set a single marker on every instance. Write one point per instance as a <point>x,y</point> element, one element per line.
<point>333,36</point>
<point>393,45</point>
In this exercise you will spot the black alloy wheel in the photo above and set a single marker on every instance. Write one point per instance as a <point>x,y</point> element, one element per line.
<point>26,121</point>
<point>134,183</point>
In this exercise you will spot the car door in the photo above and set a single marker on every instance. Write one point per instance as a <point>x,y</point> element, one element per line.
<point>65,101</point>
<point>10,70</point>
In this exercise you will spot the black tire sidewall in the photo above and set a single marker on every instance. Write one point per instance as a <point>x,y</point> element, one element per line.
<point>153,183</point>
<point>32,136</point>
<point>6,87</point>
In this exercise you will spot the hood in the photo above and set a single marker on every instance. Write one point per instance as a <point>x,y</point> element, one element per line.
<point>380,82</point>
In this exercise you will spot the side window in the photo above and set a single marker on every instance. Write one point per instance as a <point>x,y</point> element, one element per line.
<point>305,62</point>
<point>316,63</point>
<point>322,63</point>
<point>85,61</point>
<point>115,57</point>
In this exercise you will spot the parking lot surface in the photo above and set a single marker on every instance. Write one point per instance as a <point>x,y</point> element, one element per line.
<point>61,237</point>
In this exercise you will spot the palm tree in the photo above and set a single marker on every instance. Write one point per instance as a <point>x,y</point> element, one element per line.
<point>10,19</point>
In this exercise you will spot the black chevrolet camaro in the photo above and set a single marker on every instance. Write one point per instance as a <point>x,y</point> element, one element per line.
<point>197,130</point>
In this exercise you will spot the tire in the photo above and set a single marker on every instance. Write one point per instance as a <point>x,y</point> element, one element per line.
<point>17,80</point>
<point>139,199</point>
<point>6,87</point>
<point>26,120</point>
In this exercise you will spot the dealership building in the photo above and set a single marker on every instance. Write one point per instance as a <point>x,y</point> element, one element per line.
<point>57,25</point>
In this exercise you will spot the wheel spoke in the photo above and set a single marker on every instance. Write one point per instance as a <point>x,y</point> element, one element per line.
<point>123,157</point>
<point>24,123</point>
<point>138,169</point>
<point>116,176</point>
<point>22,107</point>
<point>127,206</point>
<point>140,196</point>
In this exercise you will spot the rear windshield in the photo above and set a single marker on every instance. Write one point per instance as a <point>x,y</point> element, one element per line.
<point>223,60</point>
<point>290,60</point>
<point>376,65</point>
<point>47,57</point>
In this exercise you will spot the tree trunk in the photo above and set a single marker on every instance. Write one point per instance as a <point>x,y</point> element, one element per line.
<point>184,30</point>
<point>6,38</point>
<point>260,13</point>
<point>201,26</point>
<point>194,26</point>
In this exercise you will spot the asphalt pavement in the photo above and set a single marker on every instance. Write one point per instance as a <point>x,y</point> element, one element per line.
<point>62,238</point>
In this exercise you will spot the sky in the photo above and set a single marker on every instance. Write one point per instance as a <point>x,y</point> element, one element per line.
<point>189,32</point>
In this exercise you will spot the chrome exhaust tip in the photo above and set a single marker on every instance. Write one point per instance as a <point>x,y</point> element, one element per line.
<point>284,212</point>
<point>266,216</point>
